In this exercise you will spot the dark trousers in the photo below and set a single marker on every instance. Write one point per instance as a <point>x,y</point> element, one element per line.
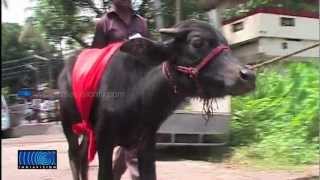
<point>123,159</point>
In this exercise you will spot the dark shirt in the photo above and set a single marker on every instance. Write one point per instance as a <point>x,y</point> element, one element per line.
<point>111,28</point>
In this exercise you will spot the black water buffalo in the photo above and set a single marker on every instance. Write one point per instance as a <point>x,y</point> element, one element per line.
<point>148,80</point>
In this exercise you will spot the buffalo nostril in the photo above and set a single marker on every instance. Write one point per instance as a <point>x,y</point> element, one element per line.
<point>247,74</point>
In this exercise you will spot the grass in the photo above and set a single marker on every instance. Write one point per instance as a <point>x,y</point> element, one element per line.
<point>239,157</point>
<point>277,126</point>
<point>244,156</point>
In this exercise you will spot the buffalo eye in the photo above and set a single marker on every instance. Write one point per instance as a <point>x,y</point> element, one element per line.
<point>197,43</point>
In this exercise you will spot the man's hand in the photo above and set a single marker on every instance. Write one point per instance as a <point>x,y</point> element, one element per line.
<point>136,35</point>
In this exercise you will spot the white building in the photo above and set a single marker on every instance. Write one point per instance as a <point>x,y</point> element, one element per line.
<point>268,32</point>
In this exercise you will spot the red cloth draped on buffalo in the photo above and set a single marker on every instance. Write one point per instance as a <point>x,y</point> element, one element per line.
<point>86,75</point>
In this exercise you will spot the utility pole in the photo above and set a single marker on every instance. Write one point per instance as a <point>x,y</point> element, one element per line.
<point>215,18</point>
<point>50,75</point>
<point>178,11</point>
<point>49,68</point>
<point>158,14</point>
<point>36,70</point>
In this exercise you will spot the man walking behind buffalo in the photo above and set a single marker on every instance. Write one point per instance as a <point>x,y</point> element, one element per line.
<point>121,23</point>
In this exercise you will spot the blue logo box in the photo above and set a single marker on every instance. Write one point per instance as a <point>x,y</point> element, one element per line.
<point>37,159</point>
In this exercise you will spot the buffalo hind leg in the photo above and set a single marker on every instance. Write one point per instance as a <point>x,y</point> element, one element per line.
<point>118,163</point>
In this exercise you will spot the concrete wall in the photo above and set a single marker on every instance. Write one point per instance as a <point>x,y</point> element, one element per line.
<point>247,53</point>
<point>251,30</point>
<point>273,47</point>
<point>265,48</point>
<point>305,28</point>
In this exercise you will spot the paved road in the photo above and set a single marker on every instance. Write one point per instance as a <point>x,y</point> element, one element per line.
<point>167,169</point>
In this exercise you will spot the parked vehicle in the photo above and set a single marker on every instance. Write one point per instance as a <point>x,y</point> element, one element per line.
<point>5,118</point>
<point>14,111</point>
<point>48,110</point>
<point>18,110</point>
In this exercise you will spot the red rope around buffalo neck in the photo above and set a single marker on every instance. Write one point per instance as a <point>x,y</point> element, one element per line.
<point>193,72</point>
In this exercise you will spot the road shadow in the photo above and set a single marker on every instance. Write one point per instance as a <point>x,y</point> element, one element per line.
<point>212,154</point>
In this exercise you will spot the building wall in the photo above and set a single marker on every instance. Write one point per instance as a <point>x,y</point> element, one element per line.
<point>268,25</point>
<point>273,47</point>
<point>265,48</point>
<point>251,30</point>
<point>305,28</point>
<point>263,37</point>
<point>247,53</point>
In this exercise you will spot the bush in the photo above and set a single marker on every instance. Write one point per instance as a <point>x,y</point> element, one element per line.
<point>280,120</point>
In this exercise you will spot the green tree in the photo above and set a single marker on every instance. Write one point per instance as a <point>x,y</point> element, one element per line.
<point>18,45</point>
<point>11,48</point>
<point>73,19</point>
<point>32,37</point>
<point>243,8</point>
<point>70,20</point>
<point>60,19</point>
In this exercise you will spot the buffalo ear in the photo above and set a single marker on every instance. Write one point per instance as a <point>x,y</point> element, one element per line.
<point>145,50</point>
<point>175,32</point>
<point>138,46</point>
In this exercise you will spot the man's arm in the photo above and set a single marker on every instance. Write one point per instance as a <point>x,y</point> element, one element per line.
<point>100,39</point>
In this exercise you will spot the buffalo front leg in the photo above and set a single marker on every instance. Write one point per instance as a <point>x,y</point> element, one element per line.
<point>73,155</point>
<point>146,160</point>
<point>73,147</point>
<point>83,152</point>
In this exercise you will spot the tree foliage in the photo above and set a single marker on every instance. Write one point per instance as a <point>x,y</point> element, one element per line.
<point>72,20</point>
<point>18,45</point>
<point>11,48</point>
<point>60,19</point>
<point>243,8</point>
